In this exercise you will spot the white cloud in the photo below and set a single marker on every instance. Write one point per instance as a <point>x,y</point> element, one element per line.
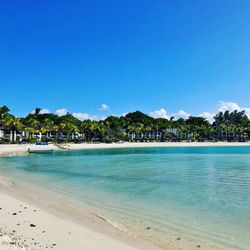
<point>209,116</point>
<point>225,106</point>
<point>61,112</point>
<point>85,116</point>
<point>44,111</point>
<point>247,111</point>
<point>230,106</point>
<point>161,113</point>
<point>104,107</point>
<point>183,114</point>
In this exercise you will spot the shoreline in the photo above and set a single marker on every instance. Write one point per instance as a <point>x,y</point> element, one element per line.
<point>33,220</point>
<point>91,228</point>
<point>60,221</point>
<point>18,149</point>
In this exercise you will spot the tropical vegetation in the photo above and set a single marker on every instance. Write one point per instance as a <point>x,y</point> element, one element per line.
<point>135,126</point>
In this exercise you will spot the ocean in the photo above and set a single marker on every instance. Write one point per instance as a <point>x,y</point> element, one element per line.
<point>198,194</point>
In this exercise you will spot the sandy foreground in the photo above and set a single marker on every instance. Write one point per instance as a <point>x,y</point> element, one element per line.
<point>13,149</point>
<point>27,221</point>
<point>26,225</point>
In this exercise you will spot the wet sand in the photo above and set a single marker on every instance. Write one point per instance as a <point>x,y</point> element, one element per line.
<point>25,224</point>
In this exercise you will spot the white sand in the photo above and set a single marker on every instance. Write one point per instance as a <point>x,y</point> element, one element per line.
<point>50,230</point>
<point>13,149</point>
<point>17,214</point>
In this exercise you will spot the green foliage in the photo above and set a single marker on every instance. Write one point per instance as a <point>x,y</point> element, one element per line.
<point>233,118</point>
<point>134,126</point>
<point>139,118</point>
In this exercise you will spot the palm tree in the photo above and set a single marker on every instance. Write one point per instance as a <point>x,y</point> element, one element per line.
<point>30,131</point>
<point>62,128</point>
<point>70,129</point>
<point>49,124</point>
<point>55,129</point>
<point>103,132</point>
<point>32,127</point>
<point>42,131</point>
<point>73,129</point>
<point>4,110</point>
<point>37,111</point>
<point>14,124</point>
<point>235,126</point>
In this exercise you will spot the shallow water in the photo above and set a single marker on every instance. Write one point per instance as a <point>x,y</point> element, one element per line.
<point>200,193</point>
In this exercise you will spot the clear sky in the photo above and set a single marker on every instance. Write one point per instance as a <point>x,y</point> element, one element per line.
<point>129,55</point>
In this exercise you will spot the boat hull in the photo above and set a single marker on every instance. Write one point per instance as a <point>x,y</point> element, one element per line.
<point>49,151</point>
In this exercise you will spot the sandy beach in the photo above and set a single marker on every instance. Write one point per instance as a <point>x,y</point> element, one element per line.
<point>14,149</point>
<point>27,223</point>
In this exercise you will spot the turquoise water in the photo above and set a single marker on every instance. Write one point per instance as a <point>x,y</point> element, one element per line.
<point>200,193</point>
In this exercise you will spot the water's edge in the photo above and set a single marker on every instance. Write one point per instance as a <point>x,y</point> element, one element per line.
<point>88,217</point>
<point>65,209</point>
<point>206,184</point>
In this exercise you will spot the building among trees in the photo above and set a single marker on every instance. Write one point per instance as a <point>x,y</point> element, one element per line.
<point>134,127</point>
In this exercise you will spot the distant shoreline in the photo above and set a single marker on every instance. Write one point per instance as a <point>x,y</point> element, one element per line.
<point>17,149</point>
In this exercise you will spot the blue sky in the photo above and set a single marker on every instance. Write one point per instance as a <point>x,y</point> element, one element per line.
<point>129,55</point>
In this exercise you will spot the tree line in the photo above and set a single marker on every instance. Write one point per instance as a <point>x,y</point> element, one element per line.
<point>135,126</point>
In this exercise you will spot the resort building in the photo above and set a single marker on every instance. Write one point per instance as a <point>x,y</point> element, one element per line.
<point>154,135</point>
<point>170,134</point>
<point>232,136</point>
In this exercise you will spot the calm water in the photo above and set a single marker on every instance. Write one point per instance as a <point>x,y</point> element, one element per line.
<point>199,193</point>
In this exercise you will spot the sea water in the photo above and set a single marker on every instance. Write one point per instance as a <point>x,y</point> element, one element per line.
<point>201,193</point>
